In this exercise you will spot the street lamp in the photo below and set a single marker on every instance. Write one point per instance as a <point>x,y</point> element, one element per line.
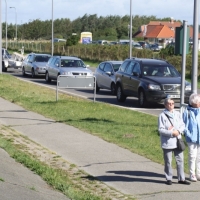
<point>6,24</point>
<point>52,45</point>
<point>15,20</point>
<point>0,42</point>
<point>130,32</point>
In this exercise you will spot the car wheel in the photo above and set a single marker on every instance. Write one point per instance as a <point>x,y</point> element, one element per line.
<point>33,73</point>
<point>142,99</point>
<point>97,87</point>
<point>120,95</point>
<point>47,77</point>
<point>23,71</point>
<point>4,69</point>
<point>113,89</point>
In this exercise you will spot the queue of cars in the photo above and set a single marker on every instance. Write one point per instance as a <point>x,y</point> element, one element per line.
<point>149,80</point>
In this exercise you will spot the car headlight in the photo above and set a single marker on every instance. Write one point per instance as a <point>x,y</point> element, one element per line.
<point>154,87</point>
<point>66,73</point>
<point>188,87</point>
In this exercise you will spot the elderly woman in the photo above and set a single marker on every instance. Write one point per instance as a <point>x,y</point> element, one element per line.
<point>170,126</point>
<point>191,117</point>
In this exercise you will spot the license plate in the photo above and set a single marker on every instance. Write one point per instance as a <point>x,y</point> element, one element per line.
<point>173,96</point>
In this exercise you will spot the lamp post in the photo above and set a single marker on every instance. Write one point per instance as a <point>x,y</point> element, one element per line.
<point>6,25</point>
<point>0,42</point>
<point>52,45</point>
<point>130,32</point>
<point>15,20</point>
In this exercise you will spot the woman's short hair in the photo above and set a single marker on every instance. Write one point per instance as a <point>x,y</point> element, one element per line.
<point>167,101</point>
<point>194,99</point>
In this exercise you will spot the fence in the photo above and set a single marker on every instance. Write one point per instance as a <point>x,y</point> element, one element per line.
<point>80,82</point>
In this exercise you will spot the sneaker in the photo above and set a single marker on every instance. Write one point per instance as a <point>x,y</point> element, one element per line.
<point>184,182</point>
<point>169,182</point>
<point>193,178</point>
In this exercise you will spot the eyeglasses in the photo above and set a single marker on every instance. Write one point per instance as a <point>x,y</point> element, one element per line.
<point>170,103</point>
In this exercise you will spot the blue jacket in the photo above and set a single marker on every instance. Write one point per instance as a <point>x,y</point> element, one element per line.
<point>168,141</point>
<point>191,118</point>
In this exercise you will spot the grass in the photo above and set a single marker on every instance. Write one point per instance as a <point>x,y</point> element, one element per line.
<point>54,177</point>
<point>132,130</point>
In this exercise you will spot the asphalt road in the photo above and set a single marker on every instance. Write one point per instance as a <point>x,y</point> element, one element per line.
<point>102,96</point>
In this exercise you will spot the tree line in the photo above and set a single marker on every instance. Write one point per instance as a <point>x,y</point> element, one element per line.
<point>107,28</point>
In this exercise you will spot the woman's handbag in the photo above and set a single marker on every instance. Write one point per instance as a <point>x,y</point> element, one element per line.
<point>180,142</point>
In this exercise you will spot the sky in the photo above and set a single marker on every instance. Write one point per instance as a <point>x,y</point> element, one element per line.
<point>28,10</point>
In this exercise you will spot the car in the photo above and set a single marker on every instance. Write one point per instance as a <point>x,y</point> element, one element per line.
<point>35,64</point>
<point>16,61</point>
<point>145,45</point>
<point>141,78</point>
<point>66,65</point>
<point>5,59</point>
<point>137,45</point>
<point>154,47</point>
<point>105,75</point>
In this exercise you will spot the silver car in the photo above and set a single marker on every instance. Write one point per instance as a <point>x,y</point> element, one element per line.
<point>105,75</point>
<point>66,65</point>
<point>35,64</point>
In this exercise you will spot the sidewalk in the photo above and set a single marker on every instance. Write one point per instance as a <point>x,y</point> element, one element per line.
<point>117,167</point>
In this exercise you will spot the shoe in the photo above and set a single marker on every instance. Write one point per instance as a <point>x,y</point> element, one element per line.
<point>184,182</point>
<point>198,177</point>
<point>193,178</point>
<point>169,182</point>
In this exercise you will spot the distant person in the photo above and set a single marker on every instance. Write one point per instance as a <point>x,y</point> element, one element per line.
<point>161,71</point>
<point>191,117</point>
<point>170,126</point>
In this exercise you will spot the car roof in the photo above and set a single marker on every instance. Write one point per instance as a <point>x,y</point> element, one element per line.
<point>150,60</point>
<point>68,57</point>
<point>40,54</point>
<point>114,61</point>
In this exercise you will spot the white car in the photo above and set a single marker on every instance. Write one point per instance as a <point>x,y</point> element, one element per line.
<point>65,65</point>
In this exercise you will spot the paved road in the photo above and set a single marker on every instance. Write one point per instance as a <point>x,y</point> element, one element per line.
<point>102,96</point>
<point>19,183</point>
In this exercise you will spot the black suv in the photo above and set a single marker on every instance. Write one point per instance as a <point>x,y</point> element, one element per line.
<point>150,80</point>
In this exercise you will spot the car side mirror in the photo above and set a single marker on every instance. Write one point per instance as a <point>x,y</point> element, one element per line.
<point>109,73</point>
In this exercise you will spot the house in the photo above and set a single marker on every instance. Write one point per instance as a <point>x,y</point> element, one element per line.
<point>162,32</point>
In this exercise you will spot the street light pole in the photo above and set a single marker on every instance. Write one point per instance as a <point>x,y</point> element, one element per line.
<point>0,42</point>
<point>6,25</point>
<point>15,20</point>
<point>52,45</point>
<point>130,32</point>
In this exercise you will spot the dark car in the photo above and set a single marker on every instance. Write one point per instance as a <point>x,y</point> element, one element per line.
<point>154,47</point>
<point>145,45</point>
<point>105,75</point>
<point>150,80</point>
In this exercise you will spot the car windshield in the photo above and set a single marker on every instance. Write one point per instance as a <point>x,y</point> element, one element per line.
<point>116,67</point>
<point>160,71</point>
<point>42,58</point>
<point>72,63</point>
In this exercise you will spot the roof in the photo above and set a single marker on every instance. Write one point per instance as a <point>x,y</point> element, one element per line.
<point>156,31</point>
<point>170,24</point>
<point>150,60</point>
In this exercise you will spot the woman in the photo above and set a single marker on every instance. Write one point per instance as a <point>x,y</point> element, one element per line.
<point>191,117</point>
<point>170,126</point>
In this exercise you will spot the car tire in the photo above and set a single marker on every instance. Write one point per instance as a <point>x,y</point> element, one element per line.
<point>97,87</point>
<point>142,99</point>
<point>4,69</point>
<point>48,80</point>
<point>33,73</point>
<point>113,89</point>
<point>120,95</point>
<point>23,72</point>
